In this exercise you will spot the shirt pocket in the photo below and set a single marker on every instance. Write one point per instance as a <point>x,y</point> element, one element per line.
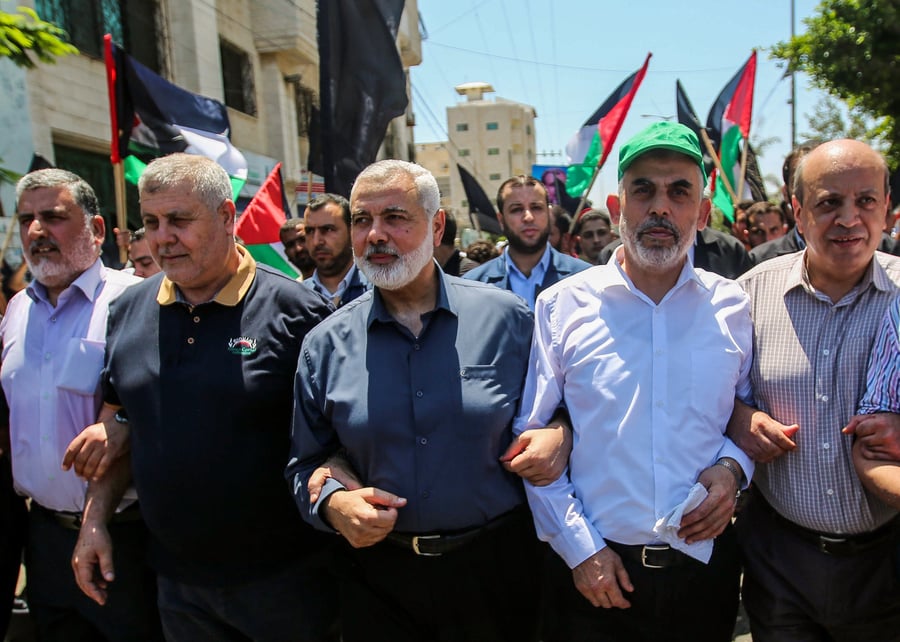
<point>713,377</point>
<point>489,394</point>
<point>81,366</point>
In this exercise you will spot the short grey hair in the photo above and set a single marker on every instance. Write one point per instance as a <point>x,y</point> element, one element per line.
<point>82,193</point>
<point>429,195</point>
<point>208,180</point>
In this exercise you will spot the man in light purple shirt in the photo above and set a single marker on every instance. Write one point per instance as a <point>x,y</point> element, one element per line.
<point>53,339</point>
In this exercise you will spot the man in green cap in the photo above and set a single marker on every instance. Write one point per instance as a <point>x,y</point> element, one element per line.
<point>647,353</point>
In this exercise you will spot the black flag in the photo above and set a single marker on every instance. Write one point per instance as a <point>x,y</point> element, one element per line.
<point>362,85</point>
<point>479,204</point>
<point>688,117</point>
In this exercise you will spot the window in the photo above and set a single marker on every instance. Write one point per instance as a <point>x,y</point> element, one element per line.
<point>528,130</point>
<point>491,126</point>
<point>465,203</point>
<point>494,177</point>
<point>464,152</point>
<point>462,127</point>
<point>304,101</point>
<point>237,76</point>
<point>132,24</point>
<point>493,151</point>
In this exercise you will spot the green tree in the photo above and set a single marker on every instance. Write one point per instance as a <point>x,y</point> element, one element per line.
<point>24,33</point>
<point>831,119</point>
<point>850,49</point>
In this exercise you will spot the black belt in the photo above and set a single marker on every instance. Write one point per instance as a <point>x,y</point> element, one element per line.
<point>437,544</point>
<point>651,555</point>
<point>838,545</point>
<point>72,521</point>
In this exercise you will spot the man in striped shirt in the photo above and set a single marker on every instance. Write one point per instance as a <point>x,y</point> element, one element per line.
<point>815,542</point>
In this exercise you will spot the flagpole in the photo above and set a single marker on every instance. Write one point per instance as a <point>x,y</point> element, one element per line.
<point>741,177</point>
<point>586,192</point>
<point>718,163</point>
<point>114,156</point>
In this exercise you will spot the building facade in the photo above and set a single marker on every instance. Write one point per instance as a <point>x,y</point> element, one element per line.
<point>259,57</point>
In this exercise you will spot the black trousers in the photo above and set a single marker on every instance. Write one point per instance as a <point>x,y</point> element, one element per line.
<point>486,591</point>
<point>58,607</point>
<point>13,518</point>
<point>691,602</point>
<point>793,592</point>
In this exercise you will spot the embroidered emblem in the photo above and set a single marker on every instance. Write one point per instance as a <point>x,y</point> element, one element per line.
<point>242,345</point>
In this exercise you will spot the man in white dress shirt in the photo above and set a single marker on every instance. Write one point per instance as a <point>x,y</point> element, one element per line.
<point>647,353</point>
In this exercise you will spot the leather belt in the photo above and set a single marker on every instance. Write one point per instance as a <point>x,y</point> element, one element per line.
<point>437,544</point>
<point>651,555</point>
<point>838,545</point>
<point>72,521</point>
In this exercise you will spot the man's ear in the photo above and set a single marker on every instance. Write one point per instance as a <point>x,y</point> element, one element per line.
<point>614,207</point>
<point>705,209</point>
<point>227,211</point>
<point>437,226</point>
<point>798,212</point>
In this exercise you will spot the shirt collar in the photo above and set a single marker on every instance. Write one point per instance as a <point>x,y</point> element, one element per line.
<point>380,312</point>
<point>798,276</point>
<point>319,287</point>
<point>538,270</point>
<point>688,273</point>
<point>230,295</point>
<point>88,282</point>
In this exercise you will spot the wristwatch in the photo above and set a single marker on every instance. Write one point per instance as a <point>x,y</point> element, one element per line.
<point>121,416</point>
<point>734,470</point>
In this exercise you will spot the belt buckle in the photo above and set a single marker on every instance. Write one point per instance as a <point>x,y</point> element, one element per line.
<point>652,547</point>
<point>415,545</point>
<point>826,542</point>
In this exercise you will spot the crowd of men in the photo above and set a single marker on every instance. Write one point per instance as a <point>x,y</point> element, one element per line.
<point>212,450</point>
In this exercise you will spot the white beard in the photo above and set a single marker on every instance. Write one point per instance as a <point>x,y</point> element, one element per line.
<point>399,273</point>
<point>62,269</point>
<point>655,257</point>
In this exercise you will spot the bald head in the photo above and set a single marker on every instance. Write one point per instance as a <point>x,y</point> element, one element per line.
<point>838,156</point>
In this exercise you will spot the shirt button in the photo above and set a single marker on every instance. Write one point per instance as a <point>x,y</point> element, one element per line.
<point>423,440</point>
<point>426,495</point>
<point>826,446</point>
<point>420,394</point>
<point>190,340</point>
<point>830,491</point>
<point>417,347</point>
<point>52,319</point>
<point>826,352</point>
<point>824,397</point>
<point>196,319</point>
<point>659,404</point>
<point>47,356</point>
<point>658,352</point>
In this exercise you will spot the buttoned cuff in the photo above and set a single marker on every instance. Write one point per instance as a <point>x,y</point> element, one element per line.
<point>330,487</point>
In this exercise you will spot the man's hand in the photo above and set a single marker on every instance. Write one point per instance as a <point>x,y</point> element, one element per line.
<point>365,516</point>
<point>92,561</point>
<point>877,435</point>
<point>601,579</point>
<point>96,447</point>
<point>539,455</point>
<point>758,435</point>
<point>335,467</point>
<point>714,513</point>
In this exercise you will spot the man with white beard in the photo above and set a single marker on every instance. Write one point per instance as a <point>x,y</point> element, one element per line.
<point>648,354</point>
<point>417,382</point>
<point>53,339</point>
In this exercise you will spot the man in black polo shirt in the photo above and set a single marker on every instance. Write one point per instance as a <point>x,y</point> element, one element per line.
<point>202,358</point>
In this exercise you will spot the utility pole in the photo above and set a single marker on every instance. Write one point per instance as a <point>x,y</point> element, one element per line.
<point>793,89</point>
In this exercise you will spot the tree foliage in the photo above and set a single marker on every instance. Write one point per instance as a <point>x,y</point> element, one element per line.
<point>24,33</point>
<point>831,119</point>
<point>850,49</point>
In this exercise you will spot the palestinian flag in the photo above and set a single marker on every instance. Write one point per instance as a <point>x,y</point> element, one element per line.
<point>688,117</point>
<point>728,126</point>
<point>151,117</point>
<point>259,225</point>
<point>589,147</point>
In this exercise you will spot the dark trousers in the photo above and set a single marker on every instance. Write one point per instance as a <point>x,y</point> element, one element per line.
<point>793,592</point>
<point>13,519</point>
<point>690,602</point>
<point>62,612</point>
<point>487,590</point>
<point>296,603</point>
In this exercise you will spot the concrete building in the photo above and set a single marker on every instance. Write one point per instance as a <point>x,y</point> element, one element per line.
<point>492,138</point>
<point>259,57</point>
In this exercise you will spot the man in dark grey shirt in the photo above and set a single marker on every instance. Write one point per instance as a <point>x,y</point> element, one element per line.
<point>418,382</point>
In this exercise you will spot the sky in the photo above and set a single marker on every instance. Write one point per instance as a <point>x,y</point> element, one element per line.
<point>565,57</point>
